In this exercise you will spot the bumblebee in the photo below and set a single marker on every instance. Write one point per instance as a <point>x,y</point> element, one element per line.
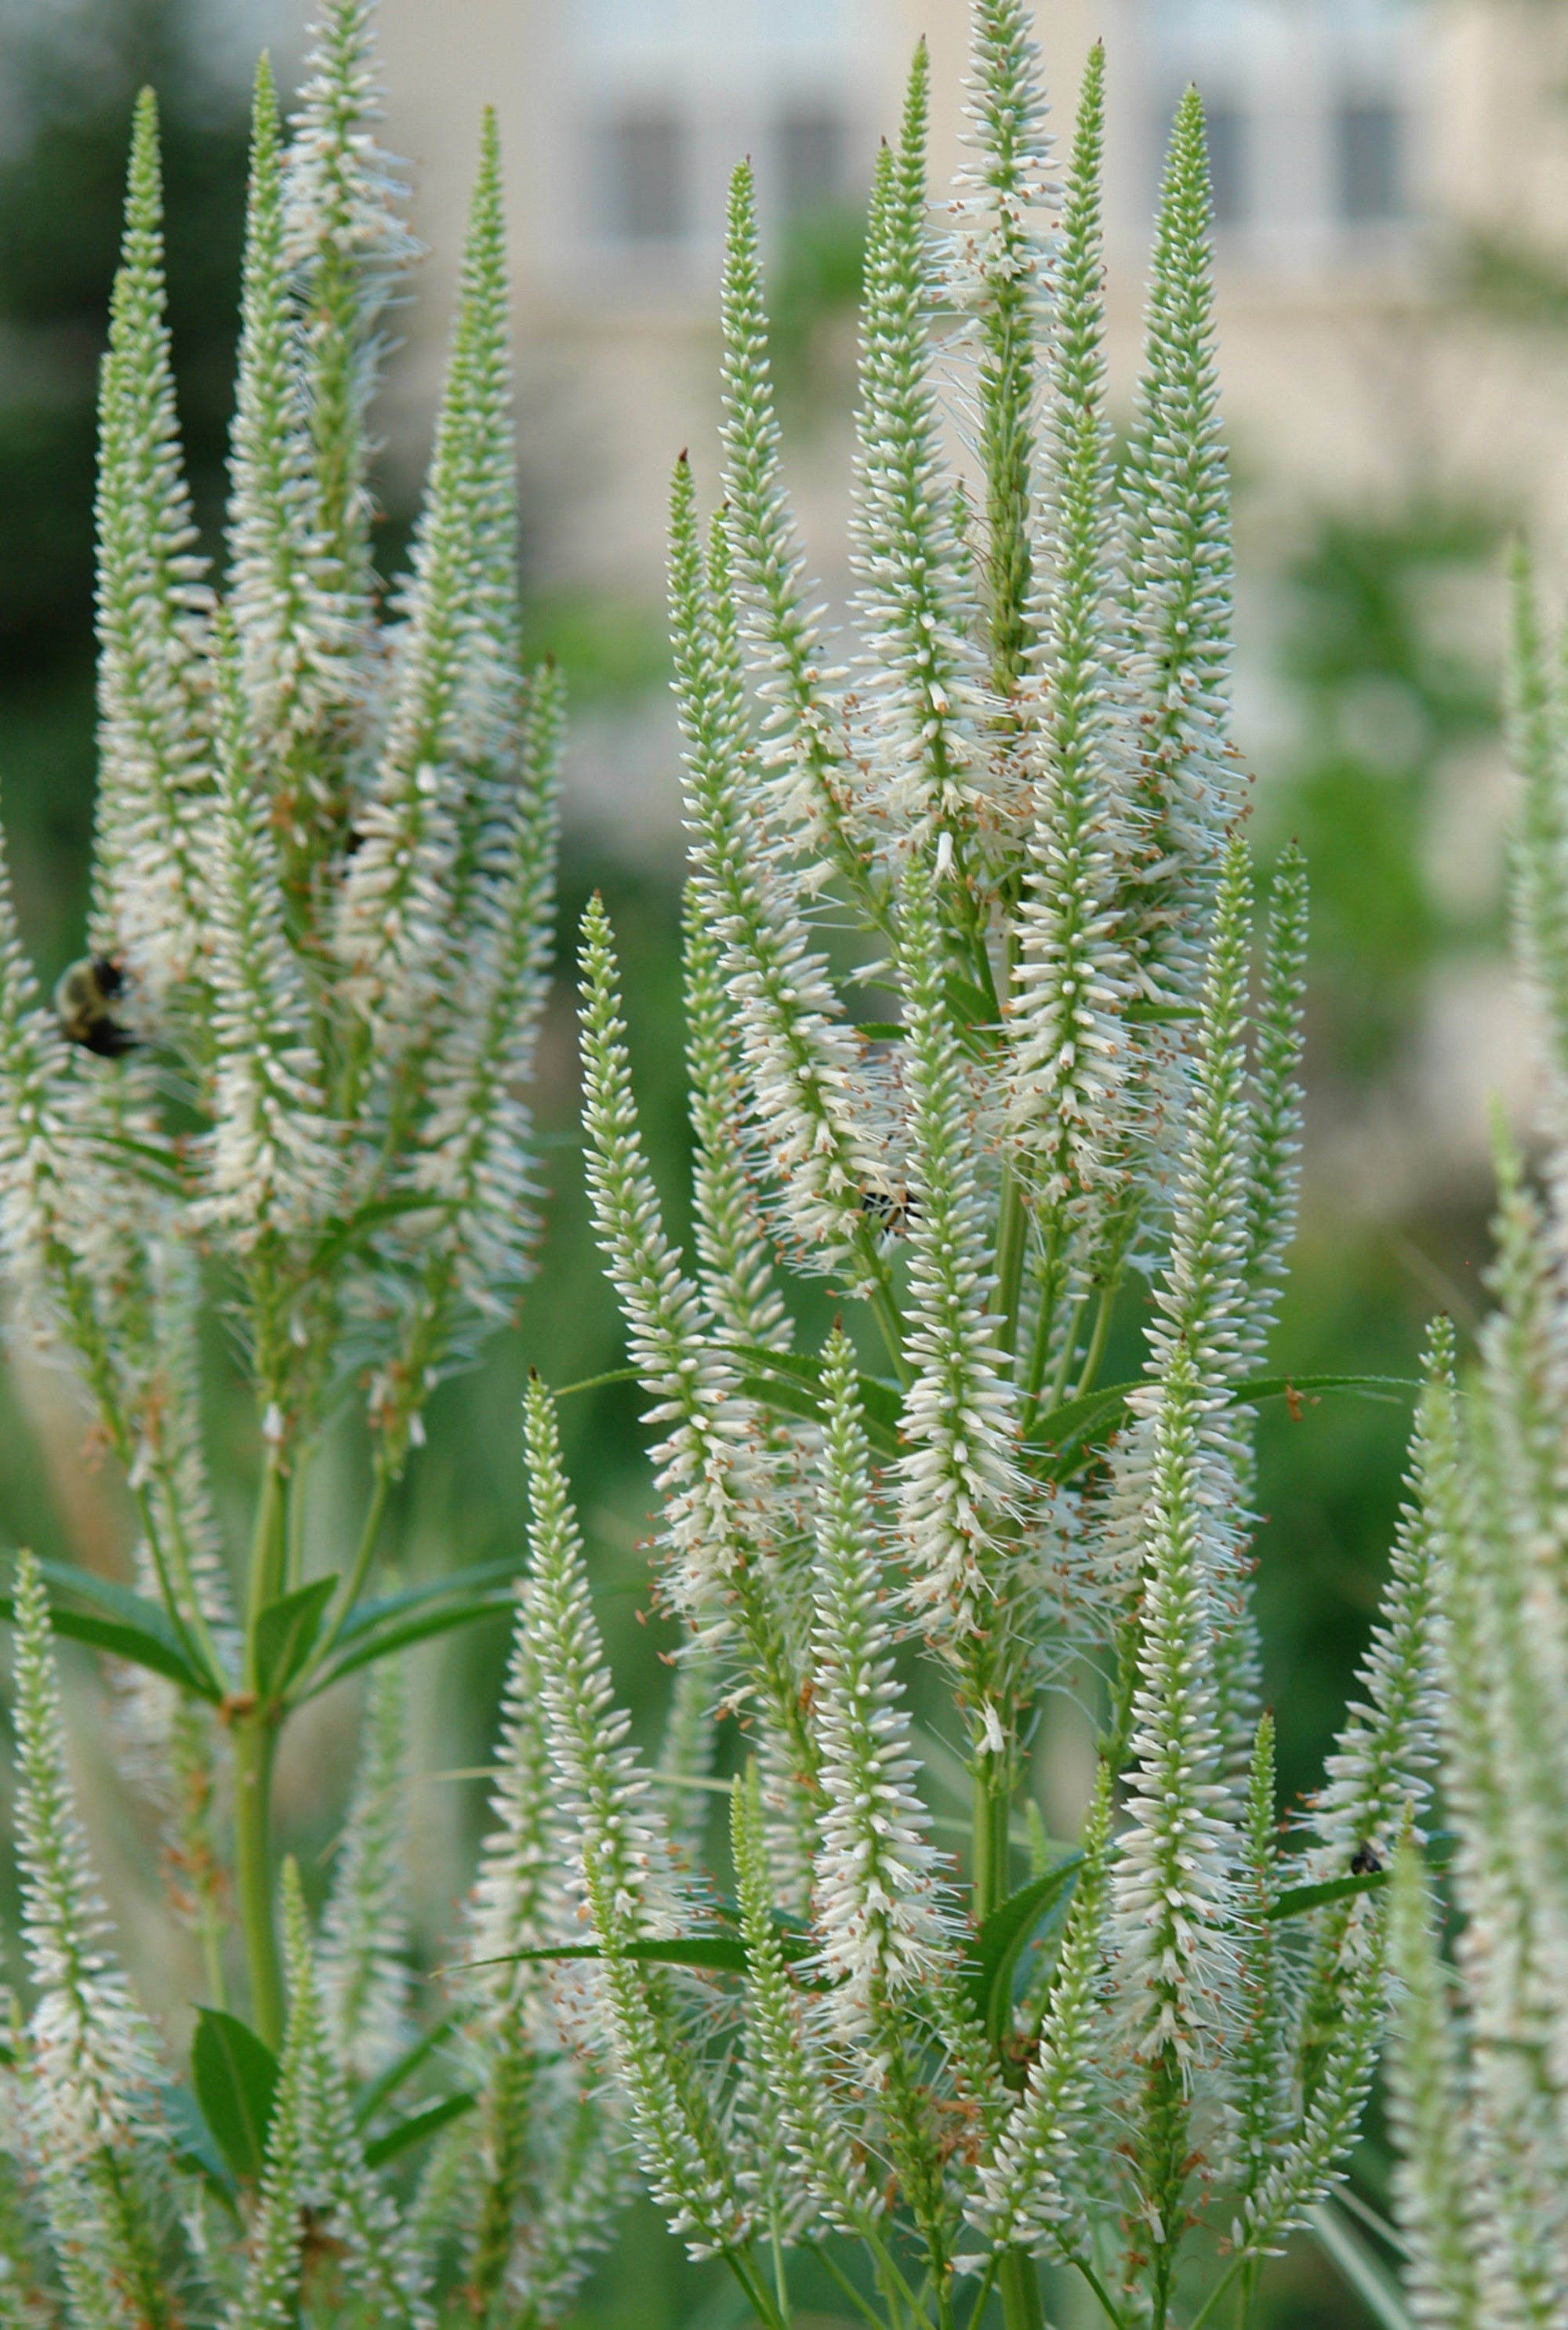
<point>84,999</point>
<point>891,1210</point>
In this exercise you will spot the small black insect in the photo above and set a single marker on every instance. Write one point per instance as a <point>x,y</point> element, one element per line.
<point>1366,1862</point>
<point>84,999</point>
<point>891,1209</point>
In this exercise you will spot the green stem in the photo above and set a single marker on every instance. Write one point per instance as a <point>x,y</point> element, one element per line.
<point>848,2287</point>
<point>354,1584</point>
<point>1040,1348</point>
<point>1112,2312</point>
<point>987,2278</point>
<point>990,1830</point>
<point>883,1309</point>
<point>254,1740</point>
<point>1012,1223</point>
<point>1018,2283</point>
<point>269,1552</point>
<point>1064,1359</point>
<point>1096,1351</point>
<point>756,2291</point>
<point>186,1616</point>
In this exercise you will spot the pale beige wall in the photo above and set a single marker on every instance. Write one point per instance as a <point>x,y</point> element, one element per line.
<point>1338,379</point>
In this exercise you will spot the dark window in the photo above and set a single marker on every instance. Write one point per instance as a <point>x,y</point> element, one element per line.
<point>1368,158</point>
<point>643,185</point>
<point>1227,135</point>
<point>811,152</point>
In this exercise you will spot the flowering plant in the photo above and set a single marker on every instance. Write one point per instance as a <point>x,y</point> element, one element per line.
<point>1479,2069</point>
<point>970,1037</point>
<point>321,886</point>
<point>286,1085</point>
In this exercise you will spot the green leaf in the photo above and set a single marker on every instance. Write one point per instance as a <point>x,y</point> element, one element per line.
<point>880,1031</point>
<point>235,2076</point>
<point>970,1008</point>
<point>409,2132</point>
<point>340,1236</point>
<point>1299,1899</point>
<point>597,1383</point>
<point>791,1381</point>
<point>375,1629</point>
<point>374,2092</point>
<point>286,1630</point>
<point>194,2144</point>
<point>1071,1425</point>
<point>1367,2276</point>
<point>126,1624</point>
<point>1002,1940</point>
<point>706,1953</point>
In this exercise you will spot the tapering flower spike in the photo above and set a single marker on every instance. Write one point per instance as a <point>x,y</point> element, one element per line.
<point>997,275</point>
<point>919,674</point>
<point>149,896</point>
<point>1029,2187</point>
<point>364,1948</point>
<point>454,702</point>
<point>1070,1052</point>
<point>1434,2181</point>
<point>90,2056</point>
<point>290,624</point>
<point>798,1059</point>
<point>1173,1882</point>
<point>878,1905</point>
<point>623,1865</point>
<point>737,1267</point>
<point>1176,564</point>
<point>273,1169</point>
<point>803,750</point>
<point>790,2070</point>
<point>1379,1774</point>
<point>346,241</point>
<point>958,1479</point>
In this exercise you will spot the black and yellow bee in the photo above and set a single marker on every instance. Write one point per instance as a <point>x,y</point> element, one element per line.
<point>891,1210</point>
<point>85,995</point>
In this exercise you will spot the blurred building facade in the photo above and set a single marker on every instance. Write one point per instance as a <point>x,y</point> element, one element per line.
<point>1351,140</point>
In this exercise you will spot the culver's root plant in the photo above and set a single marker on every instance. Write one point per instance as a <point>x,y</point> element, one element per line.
<point>286,1087</point>
<point>976,1035</point>
<point>1480,2069</point>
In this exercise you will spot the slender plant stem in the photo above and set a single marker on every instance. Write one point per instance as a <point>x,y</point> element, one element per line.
<point>756,2291</point>
<point>1018,2284</point>
<point>190,1619</point>
<point>884,1309</point>
<point>1112,2312</point>
<point>987,2278</point>
<point>780,2271</point>
<point>255,1738</point>
<point>354,1584</point>
<point>1096,1351</point>
<point>1012,1225</point>
<point>848,2287</point>
<point>992,1840</point>
<point>269,1551</point>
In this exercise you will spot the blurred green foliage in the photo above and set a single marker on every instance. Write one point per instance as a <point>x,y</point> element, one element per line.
<point>1389,689</point>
